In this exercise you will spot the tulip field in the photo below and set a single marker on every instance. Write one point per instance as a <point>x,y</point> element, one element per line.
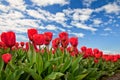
<point>62,60</point>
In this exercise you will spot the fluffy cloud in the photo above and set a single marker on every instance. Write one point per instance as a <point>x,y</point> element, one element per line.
<point>36,14</point>
<point>80,35</point>
<point>88,3</point>
<point>97,21</point>
<point>110,8</point>
<point>51,27</point>
<point>21,37</point>
<point>83,26</point>
<point>49,2</point>
<point>78,14</point>
<point>17,4</point>
<point>107,29</point>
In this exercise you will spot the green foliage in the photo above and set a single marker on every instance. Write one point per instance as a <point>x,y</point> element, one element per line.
<point>32,65</point>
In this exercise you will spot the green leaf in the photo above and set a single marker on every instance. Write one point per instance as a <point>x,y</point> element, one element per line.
<point>39,63</point>
<point>92,79</point>
<point>46,65</point>
<point>3,75</point>
<point>32,73</point>
<point>14,75</point>
<point>54,75</point>
<point>81,76</point>
<point>31,54</point>
<point>1,64</point>
<point>69,76</point>
<point>92,73</point>
<point>75,64</point>
<point>10,76</point>
<point>18,73</point>
<point>66,64</point>
<point>54,60</point>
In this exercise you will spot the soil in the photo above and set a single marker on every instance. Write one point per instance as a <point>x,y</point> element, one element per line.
<point>114,77</point>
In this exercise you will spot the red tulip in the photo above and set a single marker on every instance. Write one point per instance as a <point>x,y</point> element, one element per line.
<point>8,38</point>
<point>6,57</point>
<point>17,45</point>
<point>70,49</point>
<point>98,55</point>
<point>53,51</point>
<point>72,53</point>
<point>96,51</point>
<point>63,36</point>
<point>2,44</point>
<point>89,52</point>
<point>65,43</point>
<point>55,43</point>
<point>47,37</point>
<point>31,32</point>
<point>35,46</point>
<point>115,58</point>
<point>107,57</point>
<point>83,49</point>
<point>22,44</point>
<point>38,39</point>
<point>96,61</point>
<point>74,41</point>
<point>27,46</point>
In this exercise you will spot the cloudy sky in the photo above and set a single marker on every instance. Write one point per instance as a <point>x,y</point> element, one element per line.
<point>95,22</point>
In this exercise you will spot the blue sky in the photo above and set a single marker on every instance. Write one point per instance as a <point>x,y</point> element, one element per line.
<point>95,22</point>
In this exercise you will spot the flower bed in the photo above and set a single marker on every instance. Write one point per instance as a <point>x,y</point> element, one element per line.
<point>31,61</point>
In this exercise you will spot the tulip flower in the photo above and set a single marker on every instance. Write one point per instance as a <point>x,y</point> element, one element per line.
<point>96,61</point>
<point>63,36</point>
<point>8,38</point>
<point>65,43</point>
<point>96,51</point>
<point>55,43</point>
<point>83,49</point>
<point>38,39</point>
<point>31,32</point>
<point>47,37</point>
<point>6,57</point>
<point>2,45</point>
<point>74,41</point>
<point>26,46</point>
<point>22,44</point>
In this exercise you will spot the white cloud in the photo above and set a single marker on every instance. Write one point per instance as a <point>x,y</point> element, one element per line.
<point>80,35</point>
<point>20,37</point>
<point>50,2</point>
<point>97,21</point>
<point>60,17</point>
<point>110,8</point>
<point>82,14</point>
<point>83,26</point>
<point>107,29</point>
<point>78,14</point>
<point>88,3</point>
<point>44,15</point>
<point>77,34</point>
<point>51,27</point>
<point>36,14</point>
<point>61,29</point>
<point>111,52</point>
<point>54,28</point>
<point>17,4</point>
<point>4,8</point>
<point>12,15</point>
